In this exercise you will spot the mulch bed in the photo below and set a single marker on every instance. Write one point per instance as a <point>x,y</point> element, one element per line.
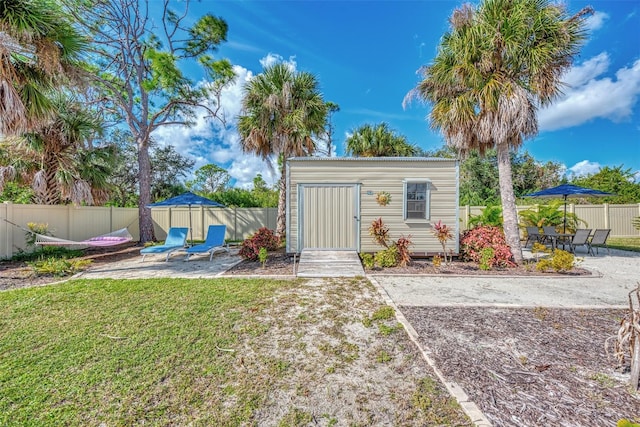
<point>531,367</point>
<point>463,268</point>
<point>278,264</point>
<point>14,275</point>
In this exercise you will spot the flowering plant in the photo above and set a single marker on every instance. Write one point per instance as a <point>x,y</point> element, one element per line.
<point>443,233</point>
<point>475,240</point>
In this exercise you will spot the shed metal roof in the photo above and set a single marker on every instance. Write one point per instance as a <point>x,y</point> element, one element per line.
<point>371,159</point>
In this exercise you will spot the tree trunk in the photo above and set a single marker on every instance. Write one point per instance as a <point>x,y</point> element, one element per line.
<point>509,212</point>
<point>51,195</point>
<point>144,182</point>
<point>635,359</point>
<point>282,203</point>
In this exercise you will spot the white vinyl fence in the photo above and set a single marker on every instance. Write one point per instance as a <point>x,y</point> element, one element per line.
<point>83,222</point>
<point>616,217</point>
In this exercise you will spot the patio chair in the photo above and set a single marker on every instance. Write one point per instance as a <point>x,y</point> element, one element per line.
<point>176,239</point>
<point>212,243</point>
<point>533,235</point>
<point>550,236</point>
<point>581,238</point>
<point>599,238</point>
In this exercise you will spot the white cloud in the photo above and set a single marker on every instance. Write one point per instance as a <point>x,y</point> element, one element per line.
<point>587,71</point>
<point>273,58</point>
<point>583,168</point>
<point>209,141</point>
<point>589,97</point>
<point>596,21</point>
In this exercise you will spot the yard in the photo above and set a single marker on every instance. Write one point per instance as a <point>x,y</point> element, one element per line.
<point>221,352</point>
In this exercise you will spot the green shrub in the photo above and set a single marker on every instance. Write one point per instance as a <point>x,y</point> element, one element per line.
<point>486,257</point>
<point>626,423</point>
<point>36,227</point>
<point>387,257</point>
<point>367,261</point>
<point>437,261</point>
<point>491,215</point>
<point>559,261</point>
<point>43,252</point>
<point>262,256</point>
<point>548,215</point>
<point>58,267</point>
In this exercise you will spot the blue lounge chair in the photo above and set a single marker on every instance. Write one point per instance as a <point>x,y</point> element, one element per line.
<point>176,239</point>
<point>214,242</point>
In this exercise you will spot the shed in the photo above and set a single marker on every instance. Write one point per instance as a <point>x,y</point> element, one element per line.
<point>331,202</point>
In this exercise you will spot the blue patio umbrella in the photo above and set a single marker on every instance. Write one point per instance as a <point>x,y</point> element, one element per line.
<point>568,190</point>
<point>187,199</point>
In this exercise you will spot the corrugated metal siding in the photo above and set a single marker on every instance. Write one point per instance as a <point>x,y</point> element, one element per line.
<point>383,175</point>
<point>328,217</point>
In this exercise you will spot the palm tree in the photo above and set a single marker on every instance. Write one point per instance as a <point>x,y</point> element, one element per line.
<point>56,159</point>
<point>378,141</point>
<point>498,63</point>
<point>282,112</point>
<point>39,50</point>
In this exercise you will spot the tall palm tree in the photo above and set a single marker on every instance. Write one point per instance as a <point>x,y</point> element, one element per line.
<point>56,159</point>
<point>378,141</point>
<point>39,50</point>
<point>282,112</point>
<point>498,63</point>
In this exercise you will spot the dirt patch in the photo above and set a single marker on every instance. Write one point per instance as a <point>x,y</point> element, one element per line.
<point>533,367</point>
<point>344,360</point>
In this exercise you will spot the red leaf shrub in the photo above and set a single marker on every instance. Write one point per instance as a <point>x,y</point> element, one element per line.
<point>263,238</point>
<point>380,232</point>
<point>402,244</point>
<point>473,241</point>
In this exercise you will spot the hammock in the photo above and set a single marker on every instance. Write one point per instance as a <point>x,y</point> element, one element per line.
<point>110,239</point>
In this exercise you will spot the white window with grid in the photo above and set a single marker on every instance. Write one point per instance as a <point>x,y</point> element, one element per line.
<point>417,199</point>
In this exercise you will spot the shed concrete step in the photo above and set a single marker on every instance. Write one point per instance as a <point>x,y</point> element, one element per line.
<point>329,263</point>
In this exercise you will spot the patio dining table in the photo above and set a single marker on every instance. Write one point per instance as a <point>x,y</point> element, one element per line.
<point>563,239</point>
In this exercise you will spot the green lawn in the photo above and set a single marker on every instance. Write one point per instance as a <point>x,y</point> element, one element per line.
<point>199,352</point>
<point>624,243</point>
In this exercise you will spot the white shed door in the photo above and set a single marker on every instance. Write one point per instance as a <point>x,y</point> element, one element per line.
<point>329,216</point>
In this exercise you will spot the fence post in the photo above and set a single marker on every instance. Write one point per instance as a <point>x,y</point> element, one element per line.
<point>605,207</point>
<point>69,235</point>
<point>202,232</point>
<point>7,249</point>
<point>235,224</point>
<point>467,216</point>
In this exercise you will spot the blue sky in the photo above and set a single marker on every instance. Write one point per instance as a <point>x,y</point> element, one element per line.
<point>366,54</point>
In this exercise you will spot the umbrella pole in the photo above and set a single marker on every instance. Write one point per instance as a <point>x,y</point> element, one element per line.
<point>564,226</point>
<point>191,227</point>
